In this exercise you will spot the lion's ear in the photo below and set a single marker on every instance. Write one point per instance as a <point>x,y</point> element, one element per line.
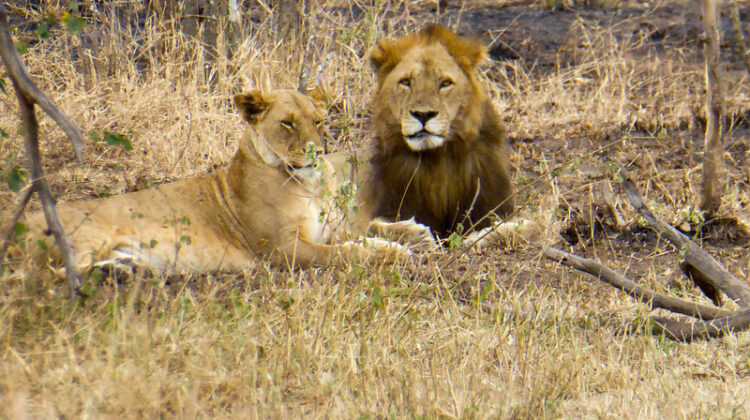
<point>472,54</point>
<point>382,56</point>
<point>251,105</point>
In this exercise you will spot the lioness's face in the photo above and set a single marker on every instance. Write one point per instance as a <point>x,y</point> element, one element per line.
<point>427,88</point>
<point>287,124</point>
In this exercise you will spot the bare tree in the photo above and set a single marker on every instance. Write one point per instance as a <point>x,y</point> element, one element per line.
<point>29,95</point>
<point>713,152</point>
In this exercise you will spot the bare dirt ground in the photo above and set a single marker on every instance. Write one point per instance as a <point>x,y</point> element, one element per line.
<point>502,333</point>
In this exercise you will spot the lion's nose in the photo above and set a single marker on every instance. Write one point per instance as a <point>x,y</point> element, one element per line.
<point>423,116</point>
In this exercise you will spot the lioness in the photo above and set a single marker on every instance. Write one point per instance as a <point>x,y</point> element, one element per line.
<point>440,154</point>
<point>264,204</point>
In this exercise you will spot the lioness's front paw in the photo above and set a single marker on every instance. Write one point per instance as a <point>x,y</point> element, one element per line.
<point>378,248</point>
<point>416,235</point>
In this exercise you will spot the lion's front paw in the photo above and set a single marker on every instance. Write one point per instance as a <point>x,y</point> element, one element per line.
<point>512,234</point>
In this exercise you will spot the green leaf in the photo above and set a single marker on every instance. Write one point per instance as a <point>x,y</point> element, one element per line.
<point>377,298</point>
<point>153,243</point>
<point>21,229</point>
<point>115,139</point>
<point>22,47</point>
<point>73,23</point>
<point>3,134</point>
<point>2,84</point>
<point>42,30</point>
<point>455,241</point>
<point>16,178</point>
<point>185,239</point>
<point>95,136</point>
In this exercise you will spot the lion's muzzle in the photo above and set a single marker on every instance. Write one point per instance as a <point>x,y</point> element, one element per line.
<point>424,130</point>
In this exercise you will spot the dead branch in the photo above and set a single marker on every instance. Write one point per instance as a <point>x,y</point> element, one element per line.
<point>742,43</point>
<point>18,73</point>
<point>699,263</point>
<point>31,142</point>
<point>640,292</point>
<point>28,94</point>
<point>713,150</point>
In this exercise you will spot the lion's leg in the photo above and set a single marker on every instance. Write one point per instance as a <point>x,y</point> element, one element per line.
<point>409,232</point>
<point>508,233</point>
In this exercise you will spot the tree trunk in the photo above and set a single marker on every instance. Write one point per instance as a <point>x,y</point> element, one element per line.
<point>713,153</point>
<point>288,20</point>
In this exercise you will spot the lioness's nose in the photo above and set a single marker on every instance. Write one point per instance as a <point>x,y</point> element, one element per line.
<point>423,116</point>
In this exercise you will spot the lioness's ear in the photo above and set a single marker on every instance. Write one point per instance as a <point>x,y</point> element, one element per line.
<point>251,105</point>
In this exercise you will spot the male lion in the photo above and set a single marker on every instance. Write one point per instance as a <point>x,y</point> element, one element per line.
<point>440,155</point>
<point>264,204</point>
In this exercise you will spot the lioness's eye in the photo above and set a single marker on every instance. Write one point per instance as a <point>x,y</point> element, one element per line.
<point>405,82</point>
<point>288,125</point>
<point>445,83</point>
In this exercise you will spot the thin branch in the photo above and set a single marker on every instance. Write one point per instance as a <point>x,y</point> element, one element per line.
<point>8,237</point>
<point>618,281</point>
<point>18,73</point>
<point>702,265</point>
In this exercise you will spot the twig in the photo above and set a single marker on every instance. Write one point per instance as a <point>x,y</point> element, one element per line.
<point>618,281</point>
<point>8,237</point>
<point>741,41</point>
<point>18,73</point>
<point>700,263</point>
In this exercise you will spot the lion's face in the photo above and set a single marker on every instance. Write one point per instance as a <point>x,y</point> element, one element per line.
<point>427,89</point>
<point>285,126</point>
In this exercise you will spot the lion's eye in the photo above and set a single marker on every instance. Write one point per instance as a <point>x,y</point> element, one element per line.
<point>446,83</point>
<point>405,82</point>
<point>288,125</point>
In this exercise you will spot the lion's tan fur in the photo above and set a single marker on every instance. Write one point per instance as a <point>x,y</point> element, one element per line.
<point>258,206</point>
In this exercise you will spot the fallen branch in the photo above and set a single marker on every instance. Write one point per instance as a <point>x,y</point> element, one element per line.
<point>696,261</point>
<point>28,94</point>
<point>690,331</point>
<point>652,299</point>
<point>18,73</point>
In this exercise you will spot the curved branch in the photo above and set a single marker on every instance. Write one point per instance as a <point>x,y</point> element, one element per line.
<point>700,264</point>
<point>18,73</point>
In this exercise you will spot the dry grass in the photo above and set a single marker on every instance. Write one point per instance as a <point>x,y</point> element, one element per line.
<point>503,334</point>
